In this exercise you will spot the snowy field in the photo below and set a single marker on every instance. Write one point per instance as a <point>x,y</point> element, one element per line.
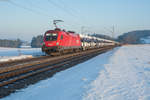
<point>146,40</point>
<point>120,74</point>
<point>18,53</point>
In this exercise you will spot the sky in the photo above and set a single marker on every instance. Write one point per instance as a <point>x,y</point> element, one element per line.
<point>27,18</point>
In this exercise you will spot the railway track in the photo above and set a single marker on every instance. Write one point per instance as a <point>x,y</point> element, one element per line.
<point>15,72</point>
<point>15,62</point>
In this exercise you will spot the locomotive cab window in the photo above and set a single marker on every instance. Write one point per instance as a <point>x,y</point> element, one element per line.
<point>51,36</point>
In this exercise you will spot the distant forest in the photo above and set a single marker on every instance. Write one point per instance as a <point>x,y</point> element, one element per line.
<point>134,37</point>
<point>37,41</point>
<point>10,43</point>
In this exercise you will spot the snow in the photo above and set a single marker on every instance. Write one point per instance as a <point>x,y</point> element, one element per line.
<point>120,74</point>
<point>145,40</point>
<point>4,59</point>
<point>125,77</point>
<point>18,51</point>
<point>7,54</point>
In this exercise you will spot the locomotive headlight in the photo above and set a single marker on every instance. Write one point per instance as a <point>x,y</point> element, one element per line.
<point>57,43</point>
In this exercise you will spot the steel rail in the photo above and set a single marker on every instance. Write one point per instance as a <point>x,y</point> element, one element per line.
<point>22,73</point>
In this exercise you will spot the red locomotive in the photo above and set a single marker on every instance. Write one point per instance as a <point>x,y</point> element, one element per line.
<point>60,41</point>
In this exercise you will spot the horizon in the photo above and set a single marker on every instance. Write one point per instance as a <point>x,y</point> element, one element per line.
<point>25,19</point>
<point>92,33</point>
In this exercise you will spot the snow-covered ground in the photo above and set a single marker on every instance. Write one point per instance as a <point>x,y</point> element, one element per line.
<point>18,53</point>
<point>120,74</point>
<point>145,40</point>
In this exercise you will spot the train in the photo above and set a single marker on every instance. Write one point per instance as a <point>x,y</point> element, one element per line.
<point>61,41</point>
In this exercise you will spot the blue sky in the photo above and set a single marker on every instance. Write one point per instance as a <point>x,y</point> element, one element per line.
<point>27,18</point>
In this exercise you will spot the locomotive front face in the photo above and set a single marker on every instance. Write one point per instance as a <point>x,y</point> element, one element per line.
<point>50,41</point>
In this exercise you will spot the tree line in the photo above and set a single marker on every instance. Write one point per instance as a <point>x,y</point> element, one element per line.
<point>37,41</point>
<point>134,37</point>
<point>10,43</point>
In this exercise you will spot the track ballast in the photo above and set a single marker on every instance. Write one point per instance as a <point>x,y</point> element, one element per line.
<point>17,75</point>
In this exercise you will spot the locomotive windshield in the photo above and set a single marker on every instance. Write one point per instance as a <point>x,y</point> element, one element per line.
<point>51,36</point>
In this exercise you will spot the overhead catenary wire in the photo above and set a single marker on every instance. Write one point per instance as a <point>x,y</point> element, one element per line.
<point>32,10</point>
<point>37,12</point>
<point>41,13</point>
<point>77,20</point>
<point>67,7</point>
<point>63,8</point>
<point>73,10</point>
<point>26,8</point>
<point>112,30</point>
<point>36,6</point>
